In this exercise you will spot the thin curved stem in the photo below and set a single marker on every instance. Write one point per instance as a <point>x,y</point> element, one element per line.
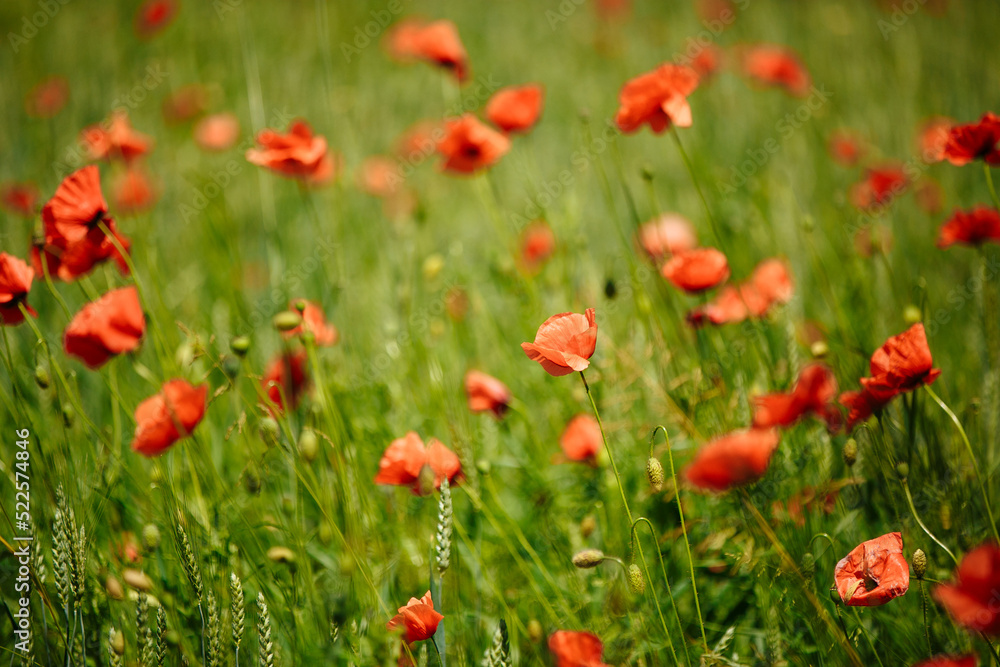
<point>687,542</point>
<point>972,456</point>
<point>663,569</point>
<point>913,510</point>
<point>697,185</point>
<point>993,649</point>
<point>923,607</point>
<point>871,644</point>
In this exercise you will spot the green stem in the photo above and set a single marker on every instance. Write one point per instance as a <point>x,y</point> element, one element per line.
<point>993,649</point>
<point>680,512</point>
<point>656,599</point>
<point>972,457</point>
<point>697,185</point>
<point>913,510</point>
<point>927,628</point>
<point>871,644</point>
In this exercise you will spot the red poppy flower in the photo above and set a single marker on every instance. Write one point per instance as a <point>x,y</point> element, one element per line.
<point>873,573</point>
<point>154,16</point>
<point>419,140</point>
<point>696,270</point>
<point>879,187</point>
<point>218,132</point>
<point>516,108</point>
<point>296,154</point>
<point>715,11</point>
<point>47,98</point>
<point>68,260</point>
<point>15,283</point>
<point>314,321</point>
<point>658,98</point>
<point>582,440</point>
<point>564,343</point>
<point>418,618</point>
<point>669,234</point>
<point>974,141</point>
<point>576,649</point>
<point>971,600</point>
<point>974,227</point>
<point>380,176</point>
<point>707,61</point>
<point>20,198</point>
<point>132,191</point>
<point>486,393</point>
<point>775,65</point>
<point>469,145</point>
<point>902,364</point>
<point>436,42</point>
<point>769,284</point>
<point>861,405</point>
<point>814,390</point>
<point>950,661</point>
<point>186,103</point>
<point>733,460</point>
<point>115,139</point>
<point>537,244</point>
<point>104,328</point>
<point>613,10</point>
<point>933,137</point>
<point>771,280</point>
<point>163,419</point>
<point>77,206</point>
<point>285,380</point>
<point>406,457</point>
<point>845,148</point>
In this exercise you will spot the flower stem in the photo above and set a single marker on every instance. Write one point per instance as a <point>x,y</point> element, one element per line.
<point>927,628</point>
<point>656,599</point>
<point>697,185</point>
<point>913,510</point>
<point>687,542</point>
<point>993,649</point>
<point>972,456</point>
<point>871,644</point>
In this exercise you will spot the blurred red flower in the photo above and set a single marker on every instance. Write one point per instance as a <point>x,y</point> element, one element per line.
<point>380,176</point>
<point>516,108</point>
<point>776,65</point>
<point>974,141</point>
<point>20,198</point>
<point>77,206</point>
<point>581,440</point>
<point>436,42</point>
<point>537,245</point>
<point>297,154</point>
<point>949,661</point>
<point>418,618</point>
<point>861,404</point>
<point>107,327</point>
<point>879,187</point>
<point>115,139</point>
<point>813,393</point>
<point>468,145</point>
<point>314,322</point>
<point>132,190</point>
<point>696,270</point>
<point>405,459</point>
<point>15,283</point>
<point>971,600</point>
<point>932,137</point>
<point>154,16</point>
<point>47,98</point>
<point>486,393</point>
<point>845,148</point>
<point>68,260</point>
<point>576,649</point>
<point>218,132</point>
<point>284,380</point>
<point>973,227</point>
<point>707,61</point>
<point>419,140</point>
<point>668,234</point>
<point>769,284</point>
<point>184,104</point>
<point>658,98</point>
<point>166,417</point>
<point>564,343</point>
<point>733,460</point>
<point>874,572</point>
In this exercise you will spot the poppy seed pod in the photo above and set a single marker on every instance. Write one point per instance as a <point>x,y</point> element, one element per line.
<point>308,445</point>
<point>654,473</point>
<point>588,558</point>
<point>535,632</point>
<point>808,564</point>
<point>819,349</point>
<point>239,345</point>
<point>902,469</point>
<point>287,320</point>
<point>850,452</point>
<point>150,537</point>
<point>588,525</point>
<point>636,583</point>
<point>911,314</point>
<point>919,563</point>
<point>42,377</point>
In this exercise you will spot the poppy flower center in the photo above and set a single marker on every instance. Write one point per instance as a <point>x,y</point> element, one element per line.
<point>471,151</point>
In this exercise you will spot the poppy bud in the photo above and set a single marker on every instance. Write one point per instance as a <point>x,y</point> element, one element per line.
<point>308,445</point>
<point>425,481</point>
<point>252,482</point>
<point>911,314</point>
<point>230,366</point>
<point>42,377</point>
<point>300,305</point>
<point>269,429</point>
<point>535,632</point>
<point>944,514</point>
<point>808,564</point>
<point>68,414</point>
<point>819,349</point>
<point>483,466</point>
<point>281,555</point>
<point>919,563</point>
<point>239,345</point>
<point>587,526</point>
<point>610,290</point>
<point>114,589</point>
<point>286,320</point>
<point>902,469</point>
<point>850,452</point>
<point>654,473</point>
<point>588,558</point>
<point>325,532</point>
<point>636,583</point>
<point>117,641</point>
<point>646,171</point>
<point>150,537</point>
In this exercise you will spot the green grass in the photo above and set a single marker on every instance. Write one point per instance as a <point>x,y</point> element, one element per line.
<point>361,551</point>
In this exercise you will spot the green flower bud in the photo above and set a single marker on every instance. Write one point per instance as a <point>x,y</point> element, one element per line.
<point>636,583</point>
<point>588,558</point>
<point>239,345</point>
<point>286,320</point>
<point>654,473</point>
<point>42,377</point>
<point>850,452</point>
<point>919,563</point>
<point>150,537</point>
<point>308,445</point>
<point>902,469</point>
